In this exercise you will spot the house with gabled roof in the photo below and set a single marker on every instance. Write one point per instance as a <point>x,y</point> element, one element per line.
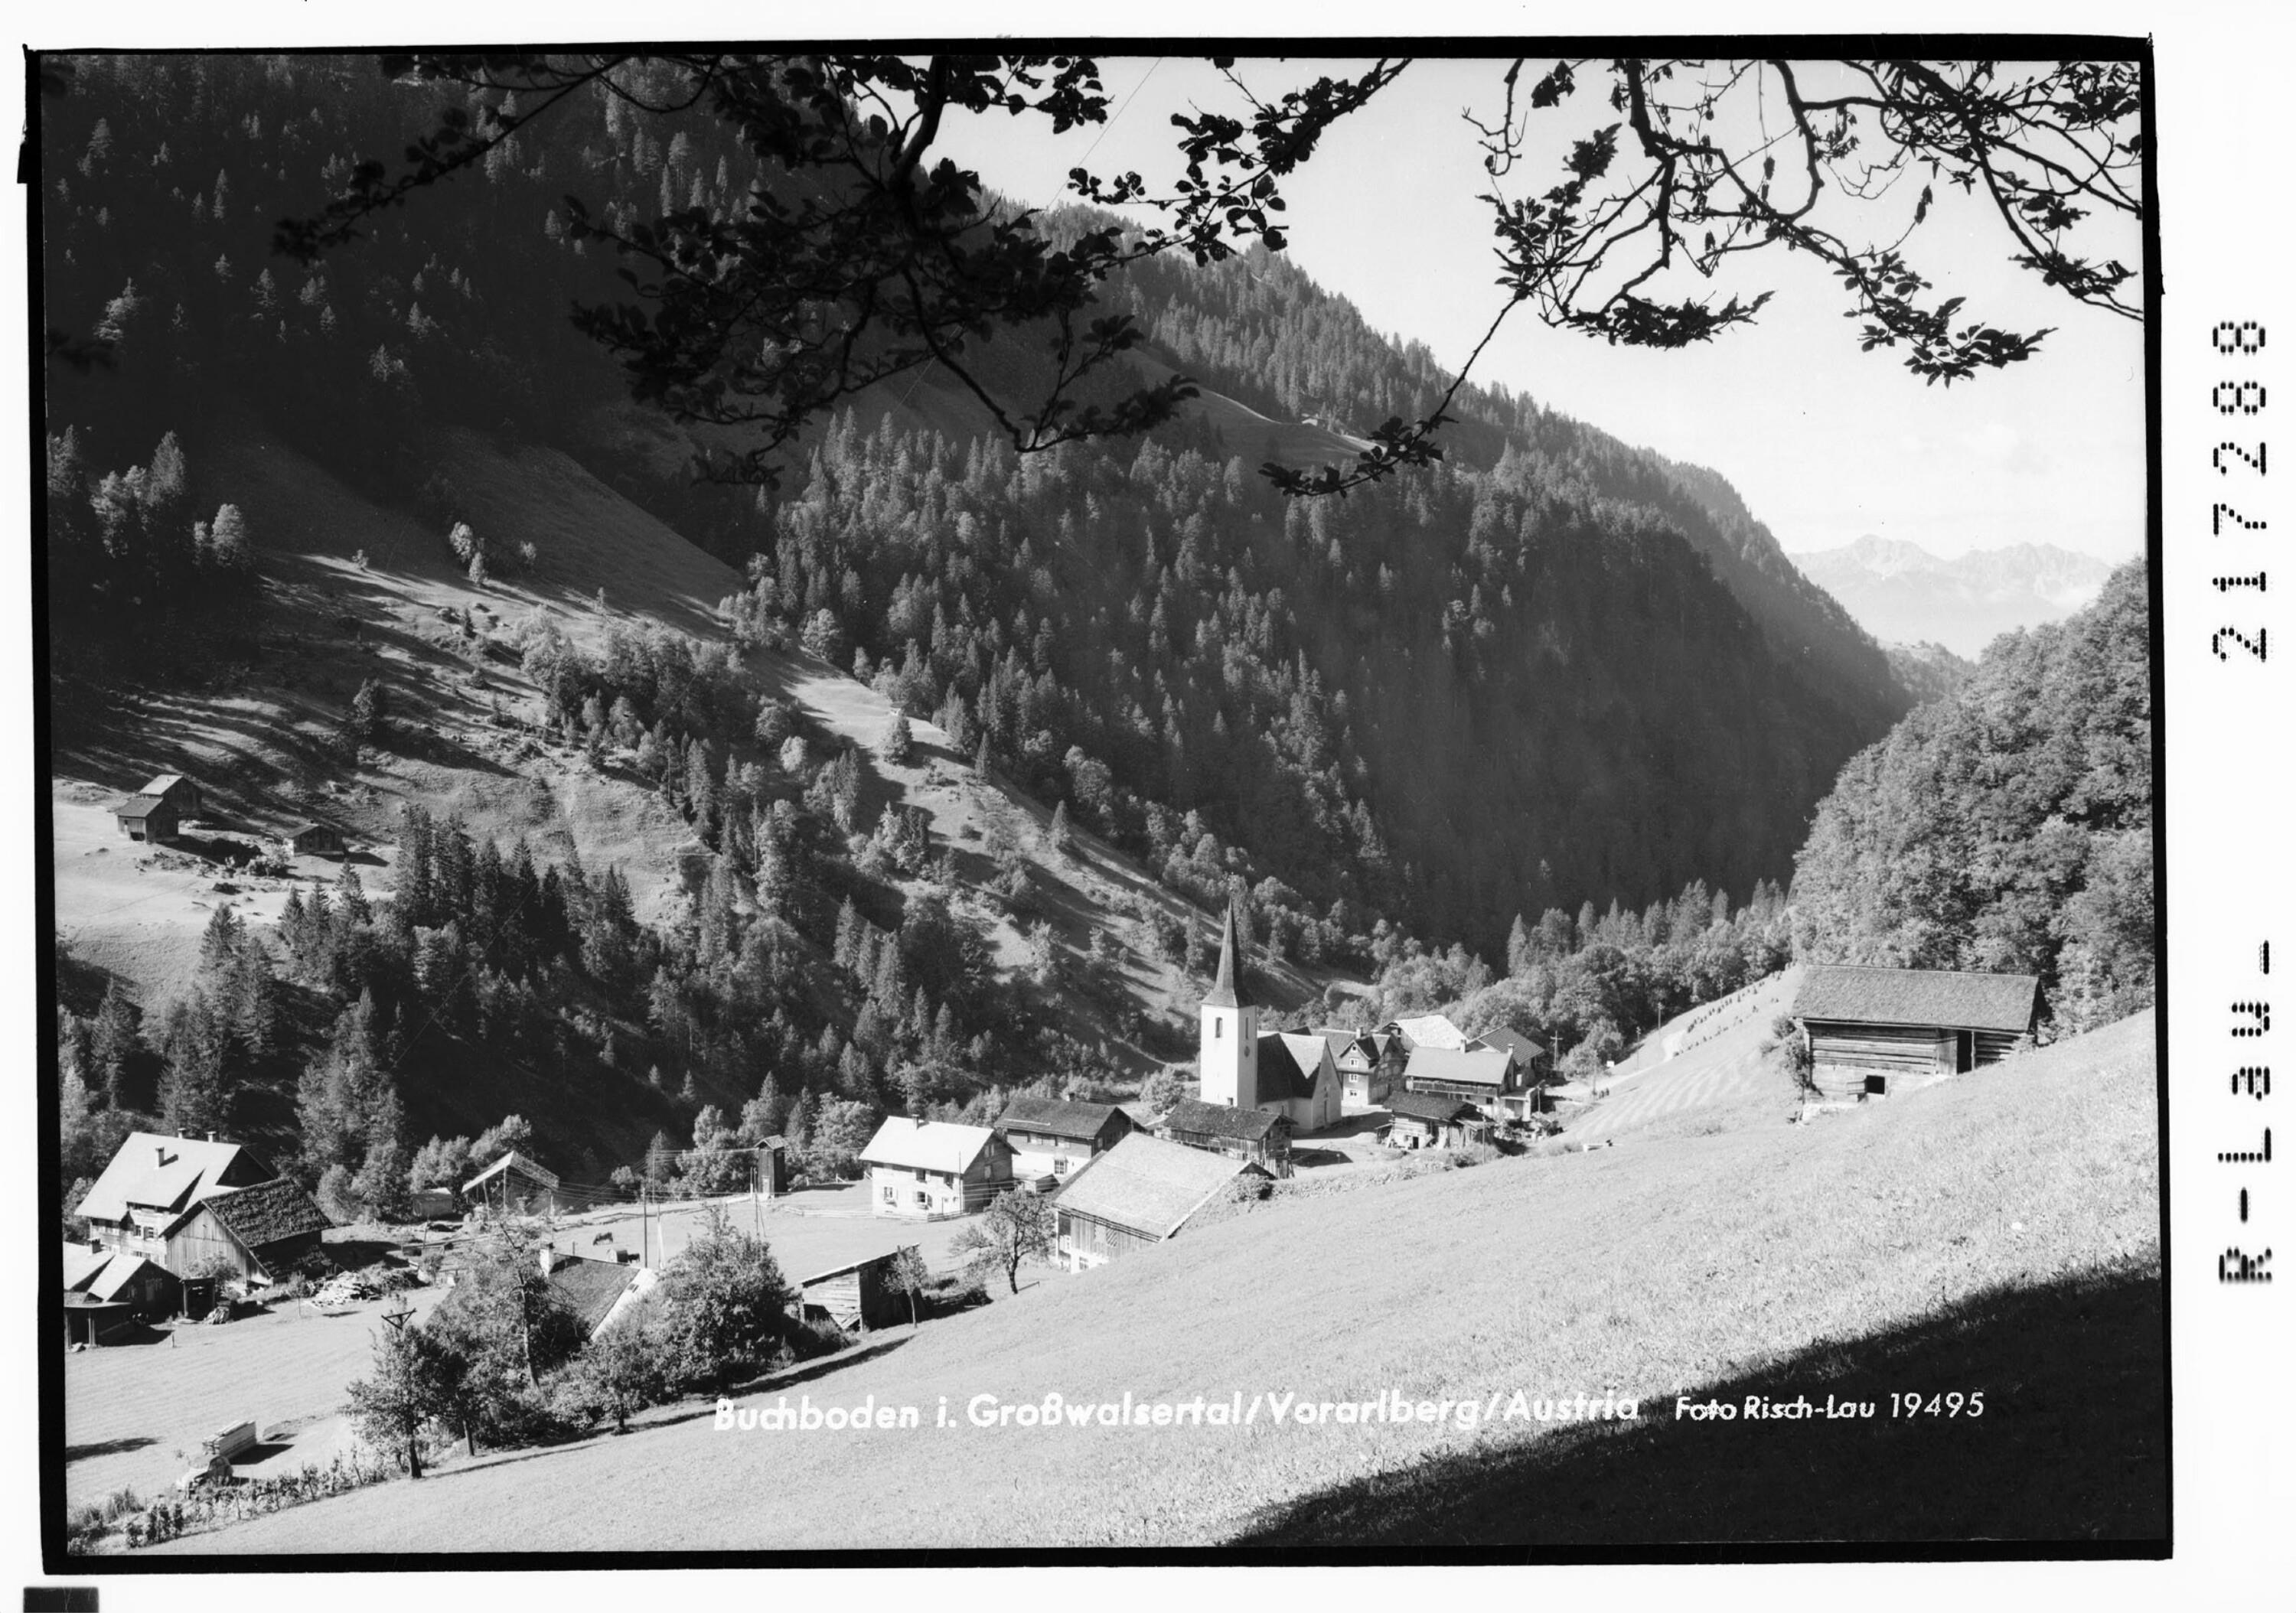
<point>259,1233</point>
<point>1140,1193</point>
<point>1053,1137</point>
<point>1485,1076</point>
<point>1868,1027</point>
<point>151,1180</point>
<point>107,1289</point>
<point>1258,1135</point>
<point>1428,1030</point>
<point>179,792</point>
<point>927,1169</point>
<point>1529,1053</point>
<point>595,1293</point>
<point>1361,1058</point>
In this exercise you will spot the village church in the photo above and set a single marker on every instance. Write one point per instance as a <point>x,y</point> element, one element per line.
<point>1291,1074</point>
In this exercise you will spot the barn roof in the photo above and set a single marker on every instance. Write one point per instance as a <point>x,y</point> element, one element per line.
<point>140,807</point>
<point>1431,1030</point>
<point>267,1213</point>
<point>1148,1185</point>
<point>1339,1039</point>
<point>1431,1106</point>
<point>933,1145</point>
<point>164,1174</point>
<point>1944,998</point>
<point>850,1266</point>
<point>298,831</point>
<point>1468,1066</point>
<point>589,1288</point>
<point>120,1271</point>
<point>163,784</point>
<point>1289,1063</point>
<point>1219,1120</point>
<point>514,1161</point>
<point>1506,1038</point>
<point>83,1264</point>
<point>1056,1117</point>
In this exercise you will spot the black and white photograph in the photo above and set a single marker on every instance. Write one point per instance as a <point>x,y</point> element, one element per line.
<point>1055,796</point>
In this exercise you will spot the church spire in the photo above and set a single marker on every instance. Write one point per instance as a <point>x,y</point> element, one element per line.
<point>1226,993</point>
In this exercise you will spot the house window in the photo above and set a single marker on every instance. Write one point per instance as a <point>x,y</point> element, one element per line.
<point>1060,1165</point>
<point>920,1175</point>
<point>1219,1029</point>
<point>924,1202</point>
<point>886,1192</point>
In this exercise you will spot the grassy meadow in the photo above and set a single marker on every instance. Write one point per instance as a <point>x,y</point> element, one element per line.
<point>1995,1233</point>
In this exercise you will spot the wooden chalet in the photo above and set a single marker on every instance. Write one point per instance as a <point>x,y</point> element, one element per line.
<point>1051,1137</point>
<point>1425,1120</point>
<point>314,841</point>
<point>514,1185</point>
<point>1140,1193</point>
<point>152,1181</point>
<point>858,1296</point>
<point>1868,1028</point>
<point>1485,1076</point>
<point>1360,1057</point>
<point>263,1232</point>
<point>1253,1135</point>
<point>926,1170</point>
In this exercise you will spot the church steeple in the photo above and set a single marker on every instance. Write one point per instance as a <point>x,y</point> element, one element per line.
<point>1227,990</point>
<point>1227,1056</point>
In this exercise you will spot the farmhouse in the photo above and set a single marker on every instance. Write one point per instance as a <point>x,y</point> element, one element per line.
<point>314,841</point>
<point>1427,1031</point>
<point>514,1184</point>
<point>179,792</point>
<point>932,1168</point>
<point>1868,1027</point>
<point>1052,1137</point>
<point>1529,1053</point>
<point>153,1180</point>
<point>859,1295</point>
<point>1254,1135</point>
<point>260,1234</point>
<point>1485,1076</point>
<point>1423,1120</point>
<point>1141,1191</point>
<point>1291,1074</point>
<point>1361,1058</point>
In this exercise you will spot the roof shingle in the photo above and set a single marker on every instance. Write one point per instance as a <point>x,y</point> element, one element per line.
<point>1218,1120</point>
<point>1946,998</point>
<point>1148,1185</point>
<point>267,1212</point>
<point>1056,1117</point>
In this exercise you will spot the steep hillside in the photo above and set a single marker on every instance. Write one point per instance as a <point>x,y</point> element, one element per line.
<point>1998,1232</point>
<point>355,592</point>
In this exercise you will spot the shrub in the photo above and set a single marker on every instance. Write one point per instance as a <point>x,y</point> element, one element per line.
<point>727,1306</point>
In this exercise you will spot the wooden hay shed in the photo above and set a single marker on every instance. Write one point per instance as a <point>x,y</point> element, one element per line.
<point>859,1295</point>
<point>1868,1028</point>
<point>149,818</point>
<point>314,841</point>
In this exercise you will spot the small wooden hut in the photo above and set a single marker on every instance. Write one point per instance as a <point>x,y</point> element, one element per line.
<point>858,1295</point>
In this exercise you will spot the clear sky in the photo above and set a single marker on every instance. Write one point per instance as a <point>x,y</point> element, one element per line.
<point>1825,443</point>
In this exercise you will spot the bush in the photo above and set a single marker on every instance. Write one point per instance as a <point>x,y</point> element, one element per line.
<point>727,1306</point>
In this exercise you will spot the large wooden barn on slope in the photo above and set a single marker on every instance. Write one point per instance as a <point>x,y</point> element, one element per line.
<point>1869,1027</point>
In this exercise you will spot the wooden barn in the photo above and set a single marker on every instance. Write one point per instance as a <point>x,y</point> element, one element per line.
<point>1868,1028</point>
<point>594,1292</point>
<point>179,792</point>
<point>858,1296</point>
<point>148,818</point>
<point>932,1168</point>
<point>262,1232</point>
<point>1251,1135</point>
<point>107,1289</point>
<point>1424,1120</point>
<point>314,841</point>
<point>1528,1052</point>
<point>514,1185</point>
<point>1140,1193</point>
<point>1051,1137</point>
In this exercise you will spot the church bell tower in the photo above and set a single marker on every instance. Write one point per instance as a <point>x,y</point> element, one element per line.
<point>1227,1061</point>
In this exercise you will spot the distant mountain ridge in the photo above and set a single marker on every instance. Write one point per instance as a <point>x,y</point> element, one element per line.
<point>1900,592</point>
